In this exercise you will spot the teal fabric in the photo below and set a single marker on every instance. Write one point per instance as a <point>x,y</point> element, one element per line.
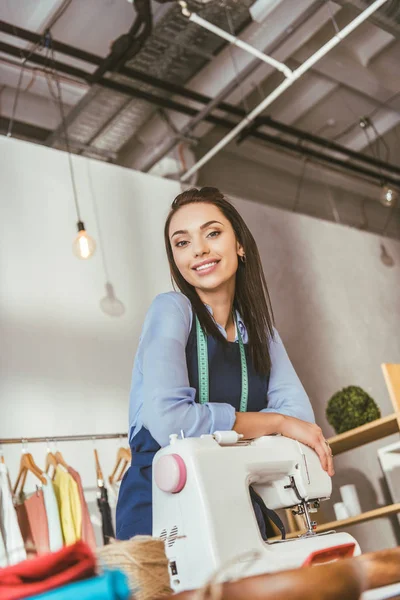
<point>113,585</point>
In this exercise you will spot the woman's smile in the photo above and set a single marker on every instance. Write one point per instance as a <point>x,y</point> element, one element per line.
<point>206,267</point>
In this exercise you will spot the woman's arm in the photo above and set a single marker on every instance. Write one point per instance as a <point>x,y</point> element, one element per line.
<point>289,410</point>
<point>256,424</point>
<point>286,394</point>
<point>168,400</point>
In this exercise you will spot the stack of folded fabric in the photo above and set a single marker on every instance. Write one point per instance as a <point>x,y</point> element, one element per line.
<point>63,575</point>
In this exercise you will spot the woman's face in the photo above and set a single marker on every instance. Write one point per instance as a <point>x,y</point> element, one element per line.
<point>204,246</point>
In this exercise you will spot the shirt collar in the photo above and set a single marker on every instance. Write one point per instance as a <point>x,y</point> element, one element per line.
<point>240,324</point>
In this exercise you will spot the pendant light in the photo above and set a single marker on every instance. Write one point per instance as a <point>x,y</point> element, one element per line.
<point>388,196</point>
<point>110,304</point>
<point>83,245</point>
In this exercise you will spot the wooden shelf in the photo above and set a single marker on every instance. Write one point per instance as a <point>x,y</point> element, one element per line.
<point>376,430</point>
<point>377,513</point>
<point>370,432</point>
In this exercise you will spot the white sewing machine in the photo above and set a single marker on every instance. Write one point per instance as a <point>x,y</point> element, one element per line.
<point>203,511</point>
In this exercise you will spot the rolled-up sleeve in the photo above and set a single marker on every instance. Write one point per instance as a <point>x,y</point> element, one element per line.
<point>286,394</point>
<point>169,404</point>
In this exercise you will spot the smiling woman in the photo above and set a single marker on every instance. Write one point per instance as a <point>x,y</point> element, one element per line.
<point>209,357</point>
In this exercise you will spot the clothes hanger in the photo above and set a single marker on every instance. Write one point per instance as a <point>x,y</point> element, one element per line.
<point>60,460</point>
<point>27,464</point>
<point>124,457</point>
<point>51,461</point>
<point>99,472</point>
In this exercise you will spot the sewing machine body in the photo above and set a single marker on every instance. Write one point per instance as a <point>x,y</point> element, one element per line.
<point>203,511</point>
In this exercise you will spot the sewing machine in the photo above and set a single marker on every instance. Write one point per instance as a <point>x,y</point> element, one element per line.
<point>203,511</point>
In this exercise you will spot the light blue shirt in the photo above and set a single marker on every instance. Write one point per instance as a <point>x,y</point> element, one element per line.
<point>161,398</point>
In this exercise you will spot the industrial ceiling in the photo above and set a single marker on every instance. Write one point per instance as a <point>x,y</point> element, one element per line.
<point>326,147</point>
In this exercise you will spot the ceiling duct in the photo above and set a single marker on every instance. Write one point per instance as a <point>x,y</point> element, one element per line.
<point>175,52</point>
<point>390,10</point>
<point>387,16</point>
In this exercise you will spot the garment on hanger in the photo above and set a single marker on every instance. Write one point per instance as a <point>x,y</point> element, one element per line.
<point>12,541</point>
<point>113,491</point>
<point>37,518</point>
<point>87,534</point>
<point>69,505</point>
<point>53,516</point>
<point>113,585</point>
<point>25,527</point>
<point>105,511</point>
<point>3,551</point>
<point>32,521</point>
<point>47,572</point>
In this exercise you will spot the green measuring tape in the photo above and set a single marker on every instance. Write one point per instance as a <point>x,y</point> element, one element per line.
<point>202,360</point>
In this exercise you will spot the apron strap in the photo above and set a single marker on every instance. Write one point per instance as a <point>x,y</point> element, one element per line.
<point>268,513</point>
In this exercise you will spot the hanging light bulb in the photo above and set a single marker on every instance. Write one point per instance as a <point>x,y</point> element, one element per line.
<point>83,245</point>
<point>388,196</point>
<point>387,260</point>
<point>110,304</point>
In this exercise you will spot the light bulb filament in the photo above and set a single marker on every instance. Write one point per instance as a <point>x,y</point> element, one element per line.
<point>84,246</point>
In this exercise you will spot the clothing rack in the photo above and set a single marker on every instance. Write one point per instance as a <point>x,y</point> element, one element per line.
<point>64,438</point>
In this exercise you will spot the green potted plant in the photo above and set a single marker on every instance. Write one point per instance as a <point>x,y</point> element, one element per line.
<point>350,408</point>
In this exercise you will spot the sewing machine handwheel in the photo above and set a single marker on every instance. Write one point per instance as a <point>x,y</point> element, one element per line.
<point>170,473</point>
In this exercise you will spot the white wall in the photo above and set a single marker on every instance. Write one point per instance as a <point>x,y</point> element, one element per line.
<point>337,308</point>
<point>65,366</point>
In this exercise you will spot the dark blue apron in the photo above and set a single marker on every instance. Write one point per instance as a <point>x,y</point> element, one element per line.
<point>134,508</point>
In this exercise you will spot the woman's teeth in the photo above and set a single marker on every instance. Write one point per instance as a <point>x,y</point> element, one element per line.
<point>207,266</point>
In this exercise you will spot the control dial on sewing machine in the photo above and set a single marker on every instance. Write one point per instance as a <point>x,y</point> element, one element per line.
<point>170,473</point>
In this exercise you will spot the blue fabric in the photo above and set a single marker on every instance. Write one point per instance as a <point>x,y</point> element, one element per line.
<point>163,397</point>
<point>113,585</point>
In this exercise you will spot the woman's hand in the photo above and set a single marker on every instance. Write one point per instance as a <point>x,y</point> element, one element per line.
<point>256,424</point>
<point>311,435</point>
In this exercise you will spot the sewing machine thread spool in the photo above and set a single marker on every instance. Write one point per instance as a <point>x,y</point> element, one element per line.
<point>226,438</point>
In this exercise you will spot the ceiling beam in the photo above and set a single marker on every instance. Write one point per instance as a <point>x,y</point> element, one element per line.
<point>23,130</point>
<point>133,74</point>
<point>188,110</point>
<point>165,102</point>
<point>390,170</point>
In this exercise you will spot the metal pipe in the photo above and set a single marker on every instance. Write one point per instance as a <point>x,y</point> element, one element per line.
<point>239,43</point>
<point>130,72</point>
<point>306,66</point>
<point>319,156</point>
<point>186,93</point>
<point>226,123</point>
<point>64,438</point>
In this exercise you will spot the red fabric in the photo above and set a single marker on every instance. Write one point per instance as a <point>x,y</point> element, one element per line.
<point>87,527</point>
<point>46,572</point>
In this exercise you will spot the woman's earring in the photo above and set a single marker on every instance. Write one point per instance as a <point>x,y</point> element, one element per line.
<point>243,258</point>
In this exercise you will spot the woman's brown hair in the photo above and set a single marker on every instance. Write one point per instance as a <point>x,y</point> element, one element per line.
<point>251,293</point>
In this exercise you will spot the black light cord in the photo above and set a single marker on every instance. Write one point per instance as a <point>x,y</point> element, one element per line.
<point>129,44</point>
<point>49,44</point>
<point>18,90</point>
<point>300,184</point>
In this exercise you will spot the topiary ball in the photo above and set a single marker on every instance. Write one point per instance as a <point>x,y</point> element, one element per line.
<point>350,408</point>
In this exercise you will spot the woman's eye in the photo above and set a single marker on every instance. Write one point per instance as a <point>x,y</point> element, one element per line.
<point>214,234</point>
<point>181,244</point>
